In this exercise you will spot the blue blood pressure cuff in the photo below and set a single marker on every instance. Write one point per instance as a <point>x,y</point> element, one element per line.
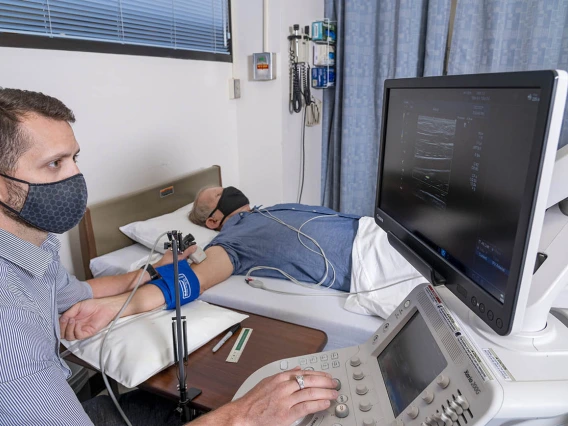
<point>188,281</point>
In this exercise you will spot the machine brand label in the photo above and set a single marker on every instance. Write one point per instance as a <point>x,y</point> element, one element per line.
<point>474,357</point>
<point>185,287</point>
<point>474,385</point>
<point>498,365</point>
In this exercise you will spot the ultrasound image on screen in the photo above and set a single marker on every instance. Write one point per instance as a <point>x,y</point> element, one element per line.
<point>454,170</point>
<point>410,363</point>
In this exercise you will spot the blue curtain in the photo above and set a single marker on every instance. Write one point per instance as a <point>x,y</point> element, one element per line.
<point>510,35</point>
<point>376,40</point>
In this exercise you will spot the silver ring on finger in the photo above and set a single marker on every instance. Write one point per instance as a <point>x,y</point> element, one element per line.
<point>300,381</point>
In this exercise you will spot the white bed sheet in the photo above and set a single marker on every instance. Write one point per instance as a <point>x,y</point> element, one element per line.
<point>343,328</point>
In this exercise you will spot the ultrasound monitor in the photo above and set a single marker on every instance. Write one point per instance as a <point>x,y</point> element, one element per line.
<point>464,169</point>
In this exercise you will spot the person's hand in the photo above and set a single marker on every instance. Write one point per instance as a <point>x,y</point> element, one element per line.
<point>88,317</point>
<point>278,400</point>
<point>168,256</point>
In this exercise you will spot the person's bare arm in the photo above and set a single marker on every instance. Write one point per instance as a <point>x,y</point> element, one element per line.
<point>88,317</point>
<point>215,269</point>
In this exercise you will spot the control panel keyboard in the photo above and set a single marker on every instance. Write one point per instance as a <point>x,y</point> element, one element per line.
<point>418,369</point>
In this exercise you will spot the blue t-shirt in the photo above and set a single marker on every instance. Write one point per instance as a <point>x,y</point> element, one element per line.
<point>251,239</point>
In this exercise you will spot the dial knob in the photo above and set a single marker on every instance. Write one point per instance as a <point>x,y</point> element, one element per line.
<point>412,411</point>
<point>341,411</point>
<point>365,405</point>
<point>451,414</point>
<point>443,381</point>
<point>428,396</point>
<point>456,407</point>
<point>462,402</point>
<point>368,422</point>
<point>355,361</point>
<point>361,389</point>
<point>338,387</point>
<point>358,374</point>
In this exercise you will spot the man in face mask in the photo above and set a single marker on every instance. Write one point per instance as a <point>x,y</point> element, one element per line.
<point>214,205</point>
<point>42,192</point>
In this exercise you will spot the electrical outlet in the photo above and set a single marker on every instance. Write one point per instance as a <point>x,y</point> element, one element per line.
<point>237,88</point>
<point>234,88</point>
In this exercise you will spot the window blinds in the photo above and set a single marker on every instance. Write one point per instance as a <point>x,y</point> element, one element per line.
<point>197,25</point>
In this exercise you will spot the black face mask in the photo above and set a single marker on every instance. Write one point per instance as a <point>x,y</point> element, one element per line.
<point>53,207</point>
<point>231,200</point>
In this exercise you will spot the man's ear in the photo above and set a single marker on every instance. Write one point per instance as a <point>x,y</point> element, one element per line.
<point>212,223</point>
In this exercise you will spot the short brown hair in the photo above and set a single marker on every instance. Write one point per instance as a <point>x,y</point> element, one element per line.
<point>14,106</point>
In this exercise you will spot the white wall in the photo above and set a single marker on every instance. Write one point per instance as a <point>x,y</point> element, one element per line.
<point>140,120</point>
<point>300,12</point>
<point>269,136</point>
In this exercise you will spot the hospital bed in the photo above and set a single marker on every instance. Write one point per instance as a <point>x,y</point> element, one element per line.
<point>101,239</point>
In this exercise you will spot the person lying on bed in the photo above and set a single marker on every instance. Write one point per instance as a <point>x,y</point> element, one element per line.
<point>250,237</point>
<point>253,237</point>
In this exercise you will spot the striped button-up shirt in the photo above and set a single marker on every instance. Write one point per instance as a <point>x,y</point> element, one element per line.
<point>34,289</point>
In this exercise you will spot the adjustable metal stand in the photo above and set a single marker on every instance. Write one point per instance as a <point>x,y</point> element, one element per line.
<point>179,334</point>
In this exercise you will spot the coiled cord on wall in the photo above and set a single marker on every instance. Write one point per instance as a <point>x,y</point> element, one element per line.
<point>296,99</point>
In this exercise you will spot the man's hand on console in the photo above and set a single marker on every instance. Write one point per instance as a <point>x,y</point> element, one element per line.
<point>277,401</point>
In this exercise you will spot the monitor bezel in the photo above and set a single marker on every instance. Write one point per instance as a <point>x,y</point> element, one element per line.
<point>460,285</point>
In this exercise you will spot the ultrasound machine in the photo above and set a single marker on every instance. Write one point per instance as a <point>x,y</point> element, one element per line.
<point>472,192</point>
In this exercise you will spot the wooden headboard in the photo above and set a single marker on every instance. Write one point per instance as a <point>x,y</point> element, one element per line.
<point>98,231</point>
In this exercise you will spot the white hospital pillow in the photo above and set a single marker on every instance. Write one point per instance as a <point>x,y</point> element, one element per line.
<point>141,345</point>
<point>145,232</point>
<point>377,265</point>
<point>122,261</point>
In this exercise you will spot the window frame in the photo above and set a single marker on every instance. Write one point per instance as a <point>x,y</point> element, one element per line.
<point>30,41</point>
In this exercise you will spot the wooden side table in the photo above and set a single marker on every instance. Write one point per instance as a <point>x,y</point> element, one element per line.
<point>219,380</point>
